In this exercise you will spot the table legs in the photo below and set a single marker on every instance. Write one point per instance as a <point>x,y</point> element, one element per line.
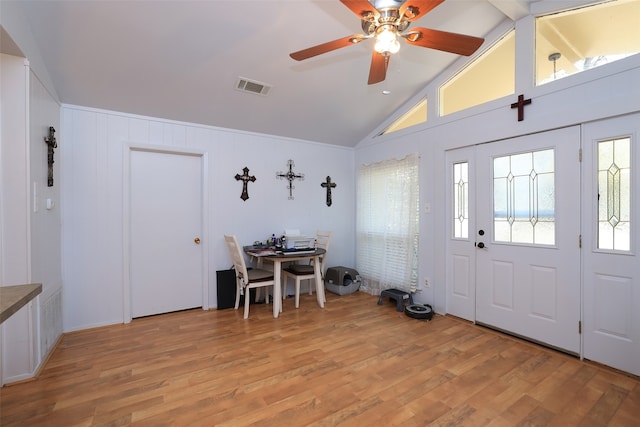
<point>277,288</point>
<point>319,283</point>
<point>277,285</point>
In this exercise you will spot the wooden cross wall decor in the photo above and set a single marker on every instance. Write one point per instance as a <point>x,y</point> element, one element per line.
<point>245,178</point>
<point>51,145</point>
<point>520,106</point>
<point>290,176</point>
<point>328,185</point>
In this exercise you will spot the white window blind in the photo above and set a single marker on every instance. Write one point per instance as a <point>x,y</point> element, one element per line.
<point>387,225</point>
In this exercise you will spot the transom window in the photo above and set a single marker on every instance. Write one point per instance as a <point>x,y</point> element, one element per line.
<point>577,40</point>
<point>490,76</point>
<point>416,115</point>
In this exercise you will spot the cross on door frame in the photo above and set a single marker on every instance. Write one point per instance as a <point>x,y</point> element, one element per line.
<point>520,106</point>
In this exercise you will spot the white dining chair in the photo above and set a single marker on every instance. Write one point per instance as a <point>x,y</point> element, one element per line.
<point>246,279</point>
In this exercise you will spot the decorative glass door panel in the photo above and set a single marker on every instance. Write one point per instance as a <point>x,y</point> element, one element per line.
<point>614,194</point>
<point>460,211</point>
<point>524,198</point>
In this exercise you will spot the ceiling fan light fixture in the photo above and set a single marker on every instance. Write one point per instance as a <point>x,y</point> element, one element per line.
<point>387,21</point>
<point>387,40</point>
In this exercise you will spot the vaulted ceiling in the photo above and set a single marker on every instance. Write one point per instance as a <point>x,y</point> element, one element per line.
<point>181,60</point>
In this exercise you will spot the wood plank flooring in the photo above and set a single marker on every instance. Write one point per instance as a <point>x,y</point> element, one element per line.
<point>353,363</point>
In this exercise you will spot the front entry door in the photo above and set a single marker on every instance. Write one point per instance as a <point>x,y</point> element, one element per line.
<point>528,259</point>
<point>524,232</point>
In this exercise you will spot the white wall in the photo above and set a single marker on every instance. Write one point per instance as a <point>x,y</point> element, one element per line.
<point>30,234</point>
<point>30,333</point>
<point>46,238</point>
<point>15,169</point>
<point>18,334</point>
<point>92,158</point>
<point>13,21</point>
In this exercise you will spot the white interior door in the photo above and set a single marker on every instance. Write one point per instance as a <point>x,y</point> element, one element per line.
<point>611,263</point>
<point>523,237</point>
<point>166,228</point>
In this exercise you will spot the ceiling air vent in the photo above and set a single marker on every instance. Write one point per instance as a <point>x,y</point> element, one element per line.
<point>253,86</point>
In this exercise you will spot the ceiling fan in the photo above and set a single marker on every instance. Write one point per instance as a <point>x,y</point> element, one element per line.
<point>387,21</point>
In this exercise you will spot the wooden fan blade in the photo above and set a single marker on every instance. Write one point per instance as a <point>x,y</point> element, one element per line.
<point>414,9</point>
<point>362,8</point>
<point>378,70</point>
<point>441,40</point>
<point>327,47</point>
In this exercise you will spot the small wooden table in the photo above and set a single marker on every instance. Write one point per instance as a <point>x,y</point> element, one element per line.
<point>13,298</point>
<point>278,259</point>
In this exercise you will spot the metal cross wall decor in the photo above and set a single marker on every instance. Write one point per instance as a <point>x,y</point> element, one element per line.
<point>245,178</point>
<point>51,144</point>
<point>290,176</point>
<point>328,185</point>
<point>520,106</point>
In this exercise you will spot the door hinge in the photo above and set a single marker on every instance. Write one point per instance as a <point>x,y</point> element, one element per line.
<point>579,327</point>
<point>580,241</point>
<point>580,154</point>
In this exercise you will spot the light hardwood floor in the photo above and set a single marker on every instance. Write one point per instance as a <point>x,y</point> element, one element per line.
<point>354,363</point>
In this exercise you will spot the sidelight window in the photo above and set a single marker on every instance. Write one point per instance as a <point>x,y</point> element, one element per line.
<point>614,194</point>
<point>460,210</point>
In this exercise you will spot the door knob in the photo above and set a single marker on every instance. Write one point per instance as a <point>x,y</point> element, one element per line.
<point>197,240</point>
<point>480,245</point>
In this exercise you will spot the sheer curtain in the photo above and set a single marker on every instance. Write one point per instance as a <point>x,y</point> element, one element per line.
<point>387,225</point>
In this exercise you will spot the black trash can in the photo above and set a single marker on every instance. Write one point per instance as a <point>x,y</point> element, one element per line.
<point>226,289</point>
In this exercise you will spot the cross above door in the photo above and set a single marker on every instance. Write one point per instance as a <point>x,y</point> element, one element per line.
<point>520,106</point>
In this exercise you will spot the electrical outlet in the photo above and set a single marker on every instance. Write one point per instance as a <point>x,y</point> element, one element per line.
<point>427,282</point>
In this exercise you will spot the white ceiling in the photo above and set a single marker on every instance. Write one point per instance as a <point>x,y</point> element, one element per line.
<point>180,60</point>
